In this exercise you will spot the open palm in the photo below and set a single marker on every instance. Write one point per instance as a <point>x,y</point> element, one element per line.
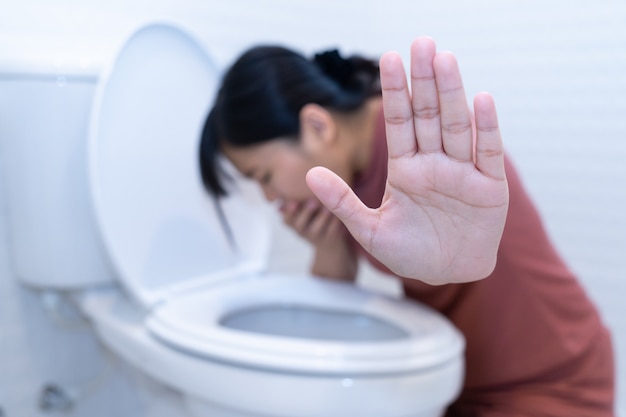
<point>446,199</point>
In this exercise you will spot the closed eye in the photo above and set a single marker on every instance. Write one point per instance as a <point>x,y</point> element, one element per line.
<point>266,178</point>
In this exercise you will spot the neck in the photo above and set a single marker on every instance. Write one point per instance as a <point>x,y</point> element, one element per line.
<point>365,127</point>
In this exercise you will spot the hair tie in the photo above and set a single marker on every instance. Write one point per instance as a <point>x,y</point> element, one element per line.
<point>333,65</point>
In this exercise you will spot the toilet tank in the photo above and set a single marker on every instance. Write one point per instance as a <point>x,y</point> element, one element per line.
<point>46,91</point>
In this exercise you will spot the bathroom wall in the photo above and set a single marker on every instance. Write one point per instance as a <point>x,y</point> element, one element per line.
<point>557,70</point>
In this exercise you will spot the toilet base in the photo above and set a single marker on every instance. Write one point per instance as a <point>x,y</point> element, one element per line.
<point>200,408</point>
<point>197,407</point>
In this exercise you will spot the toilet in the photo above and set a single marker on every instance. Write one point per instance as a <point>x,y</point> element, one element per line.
<point>105,201</point>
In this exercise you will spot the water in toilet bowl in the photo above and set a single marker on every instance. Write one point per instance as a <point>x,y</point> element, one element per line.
<point>300,321</point>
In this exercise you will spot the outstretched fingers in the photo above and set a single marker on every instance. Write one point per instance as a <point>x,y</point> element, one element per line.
<point>489,147</point>
<point>436,115</point>
<point>397,107</point>
<point>425,100</point>
<point>456,124</point>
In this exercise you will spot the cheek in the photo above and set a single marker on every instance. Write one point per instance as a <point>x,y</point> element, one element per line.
<point>292,182</point>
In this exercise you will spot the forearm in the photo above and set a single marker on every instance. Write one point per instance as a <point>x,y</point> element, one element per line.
<point>337,262</point>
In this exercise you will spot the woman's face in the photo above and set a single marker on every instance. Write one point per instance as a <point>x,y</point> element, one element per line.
<point>279,166</point>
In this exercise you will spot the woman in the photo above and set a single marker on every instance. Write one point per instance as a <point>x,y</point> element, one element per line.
<point>426,193</point>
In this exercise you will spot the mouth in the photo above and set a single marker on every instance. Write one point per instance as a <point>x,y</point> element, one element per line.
<point>278,204</point>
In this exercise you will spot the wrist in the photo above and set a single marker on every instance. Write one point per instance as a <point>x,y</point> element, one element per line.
<point>336,261</point>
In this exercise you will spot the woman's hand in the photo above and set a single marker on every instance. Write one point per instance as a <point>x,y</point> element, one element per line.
<point>315,223</point>
<point>446,199</point>
<point>312,221</point>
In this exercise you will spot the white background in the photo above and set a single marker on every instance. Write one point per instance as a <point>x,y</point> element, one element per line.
<point>557,70</point>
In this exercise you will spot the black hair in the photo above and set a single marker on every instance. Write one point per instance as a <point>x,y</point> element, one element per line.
<point>262,93</point>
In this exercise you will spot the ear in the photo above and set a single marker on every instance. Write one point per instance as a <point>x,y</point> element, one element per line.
<point>318,128</point>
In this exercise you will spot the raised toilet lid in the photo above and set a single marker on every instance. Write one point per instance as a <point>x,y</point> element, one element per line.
<point>308,325</point>
<point>158,225</point>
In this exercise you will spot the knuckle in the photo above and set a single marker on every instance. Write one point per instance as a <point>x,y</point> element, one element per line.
<point>490,152</point>
<point>426,112</point>
<point>422,78</point>
<point>397,120</point>
<point>386,88</point>
<point>488,129</point>
<point>455,127</point>
<point>457,89</point>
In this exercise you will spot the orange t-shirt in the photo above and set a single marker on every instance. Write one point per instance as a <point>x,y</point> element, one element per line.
<point>535,344</point>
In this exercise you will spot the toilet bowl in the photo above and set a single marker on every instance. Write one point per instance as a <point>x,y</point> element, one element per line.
<point>401,367</point>
<point>163,285</point>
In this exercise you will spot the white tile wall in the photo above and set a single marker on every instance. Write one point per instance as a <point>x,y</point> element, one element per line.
<point>557,70</point>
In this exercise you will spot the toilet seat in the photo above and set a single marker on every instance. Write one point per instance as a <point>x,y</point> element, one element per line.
<point>192,323</point>
<point>213,387</point>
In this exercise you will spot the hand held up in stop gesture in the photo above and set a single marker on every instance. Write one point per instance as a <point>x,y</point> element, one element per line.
<point>446,198</point>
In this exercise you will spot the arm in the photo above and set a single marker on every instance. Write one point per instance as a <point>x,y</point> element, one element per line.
<point>335,261</point>
<point>446,198</point>
<point>334,257</point>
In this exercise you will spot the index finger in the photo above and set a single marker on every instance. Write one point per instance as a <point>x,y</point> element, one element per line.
<point>397,107</point>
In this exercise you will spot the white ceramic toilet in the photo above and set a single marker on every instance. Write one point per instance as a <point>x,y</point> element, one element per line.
<point>104,199</point>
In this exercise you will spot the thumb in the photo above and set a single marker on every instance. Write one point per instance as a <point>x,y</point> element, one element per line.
<point>339,198</point>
